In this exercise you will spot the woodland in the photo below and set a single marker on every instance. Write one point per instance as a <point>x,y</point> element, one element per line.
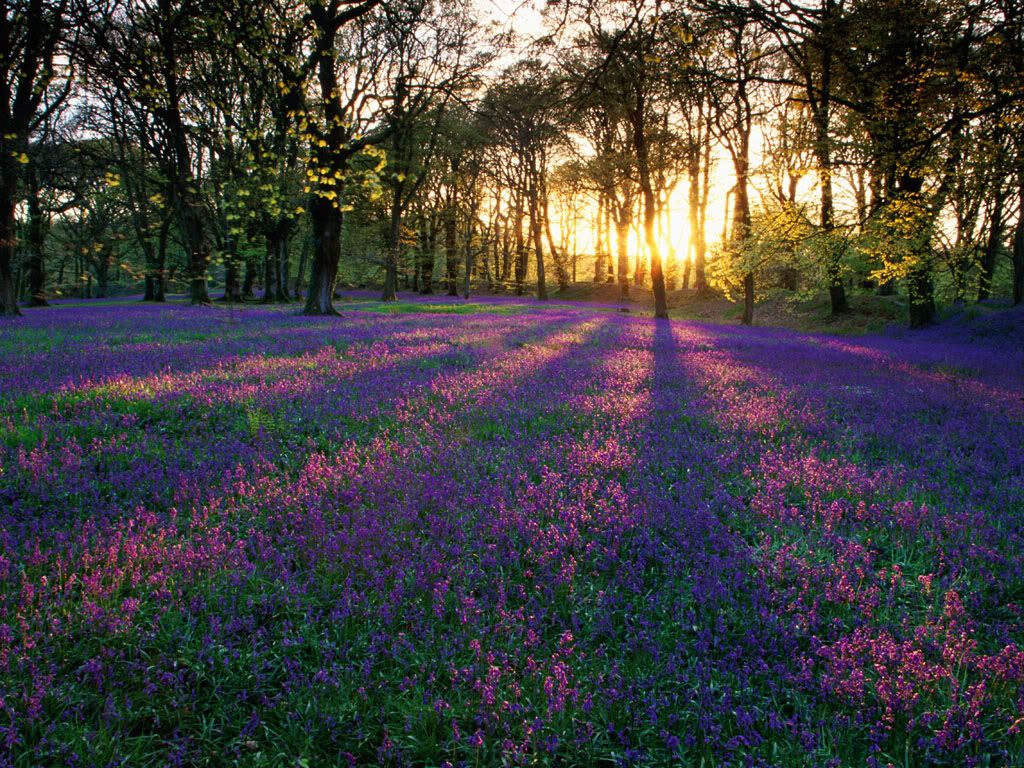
<point>470,383</point>
<point>276,151</point>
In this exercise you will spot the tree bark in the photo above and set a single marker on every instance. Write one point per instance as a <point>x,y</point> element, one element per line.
<point>390,292</point>
<point>36,240</point>
<point>1018,246</point>
<point>451,257</point>
<point>987,266</point>
<point>741,230</point>
<point>427,258</point>
<point>8,248</point>
<point>622,227</point>
<point>326,223</point>
<point>650,209</point>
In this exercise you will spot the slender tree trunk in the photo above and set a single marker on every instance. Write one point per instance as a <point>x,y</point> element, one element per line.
<point>650,211</point>
<point>390,292</point>
<point>1018,244</point>
<point>521,250</point>
<point>995,237</point>
<point>538,245</point>
<point>249,284</point>
<point>427,258</point>
<point>36,241</point>
<point>740,232</point>
<point>622,227</point>
<point>451,257</point>
<point>232,278</point>
<point>270,270</point>
<point>561,274</point>
<point>281,264</point>
<point>160,282</point>
<point>834,264</point>
<point>468,248</point>
<point>301,271</point>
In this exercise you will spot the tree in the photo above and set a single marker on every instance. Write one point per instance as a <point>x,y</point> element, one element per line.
<point>335,128</point>
<point>520,113</point>
<point>34,34</point>
<point>740,68</point>
<point>627,73</point>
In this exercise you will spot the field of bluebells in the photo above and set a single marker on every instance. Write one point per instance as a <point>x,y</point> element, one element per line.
<point>506,535</point>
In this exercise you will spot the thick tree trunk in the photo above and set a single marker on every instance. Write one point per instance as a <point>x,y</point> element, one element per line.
<point>8,248</point>
<point>326,222</point>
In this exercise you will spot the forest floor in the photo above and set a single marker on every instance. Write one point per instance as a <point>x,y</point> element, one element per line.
<point>799,311</point>
<point>507,533</point>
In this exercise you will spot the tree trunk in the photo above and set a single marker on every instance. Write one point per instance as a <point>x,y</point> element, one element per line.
<point>390,292</point>
<point>538,245</point>
<point>521,249</point>
<point>232,278</point>
<point>468,250</point>
<point>622,227</point>
<point>995,236</point>
<point>36,240</point>
<point>834,264</point>
<point>270,270</point>
<point>8,248</point>
<point>326,223</point>
<point>281,263</point>
<point>650,207</point>
<point>561,274</point>
<point>1018,244</point>
<point>301,271</point>
<point>740,232</point>
<point>160,281</point>
<point>427,258</point>
<point>198,255</point>
<point>249,284</point>
<point>451,258</point>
